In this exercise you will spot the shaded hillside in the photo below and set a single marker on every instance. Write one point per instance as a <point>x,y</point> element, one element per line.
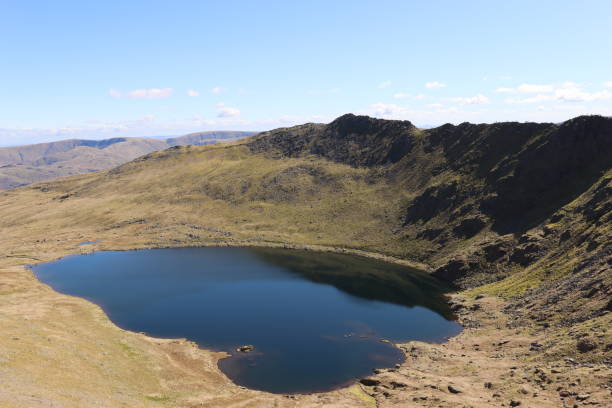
<point>22,165</point>
<point>350,139</point>
<point>497,172</point>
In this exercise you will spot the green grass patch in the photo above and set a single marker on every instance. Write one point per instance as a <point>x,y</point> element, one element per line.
<point>130,351</point>
<point>157,398</point>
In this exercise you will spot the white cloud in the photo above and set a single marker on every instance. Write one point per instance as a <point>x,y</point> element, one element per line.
<point>193,93</point>
<point>388,110</point>
<point>384,84</point>
<point>531,99</point>
<point>565,92</point>
<point>402,95</point>
<point>531,88</point>
<point>577,94</point>
<point>527,88</point>
<point>434,85</point>
<point>435,105</point>
<point>216,90</point>
<point>608,84</point>
<point>152,93</point>
<point>393,111</point>
<point>436,114</point>
<point>226,111</point>
<point>479,99</point>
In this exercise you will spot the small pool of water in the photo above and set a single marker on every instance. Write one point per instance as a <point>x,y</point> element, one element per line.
<point>88,243</point>
<point>316,320</point>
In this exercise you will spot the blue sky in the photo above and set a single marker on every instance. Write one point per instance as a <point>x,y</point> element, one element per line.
<point>101,69</point>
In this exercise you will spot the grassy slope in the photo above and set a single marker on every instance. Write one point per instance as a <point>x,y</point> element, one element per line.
<point>257,199</point>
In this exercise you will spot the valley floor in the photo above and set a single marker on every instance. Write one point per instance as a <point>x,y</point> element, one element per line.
<point>62,351</point>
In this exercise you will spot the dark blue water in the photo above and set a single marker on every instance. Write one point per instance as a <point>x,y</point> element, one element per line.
<point>316,319</point>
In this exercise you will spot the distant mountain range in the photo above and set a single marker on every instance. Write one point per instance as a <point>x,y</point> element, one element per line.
<point>23,165</point>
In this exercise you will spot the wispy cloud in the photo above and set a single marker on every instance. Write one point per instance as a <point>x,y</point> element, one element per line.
<point>224,111</point>
<point>527,89</point>
<point>565,92</point>
<point>152,93</point>
<point>216,90</point>
<point>436,113</point>
<point>608,84</point>
<point>402,95</point>
<point>531,99</point>
<point>532,88</point>
<point>479,99</point>
<point>193,93</point>
<point>576,94</point>
<point>384,84</point>
<point>389,110</point>
<point>434,85</point>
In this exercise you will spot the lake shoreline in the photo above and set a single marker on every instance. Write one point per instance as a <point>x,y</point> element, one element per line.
<point>407,293</point>
<point>173,366</point>
<point>267,244</point>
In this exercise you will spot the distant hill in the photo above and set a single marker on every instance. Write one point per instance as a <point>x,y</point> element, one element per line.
<point>202,138</point>
<point>22,165</point>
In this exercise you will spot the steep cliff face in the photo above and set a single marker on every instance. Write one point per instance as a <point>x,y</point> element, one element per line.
<point>551,169</point>
<point>513,174</point>
<point>354,140</point>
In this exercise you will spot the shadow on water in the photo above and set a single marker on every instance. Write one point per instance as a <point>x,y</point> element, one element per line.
<point>364,277</point>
